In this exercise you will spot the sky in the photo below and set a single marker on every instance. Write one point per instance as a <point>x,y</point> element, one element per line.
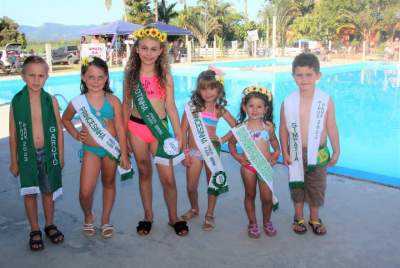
<point>84,12</point>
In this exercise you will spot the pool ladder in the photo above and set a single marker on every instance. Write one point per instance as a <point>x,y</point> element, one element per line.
<point>63,98</point>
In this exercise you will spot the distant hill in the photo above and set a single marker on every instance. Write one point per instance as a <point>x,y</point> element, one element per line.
<point>53,32</point>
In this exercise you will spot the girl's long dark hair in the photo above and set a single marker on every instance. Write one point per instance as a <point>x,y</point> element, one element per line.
<point>99,63</point>
<point>207,79</point>
<point>268,116</point>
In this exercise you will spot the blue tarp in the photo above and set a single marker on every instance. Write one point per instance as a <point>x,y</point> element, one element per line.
<point>115,28</point>
<point>170,29</point>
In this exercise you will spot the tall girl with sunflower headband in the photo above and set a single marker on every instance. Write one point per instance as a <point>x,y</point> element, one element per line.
<point>148,100</point>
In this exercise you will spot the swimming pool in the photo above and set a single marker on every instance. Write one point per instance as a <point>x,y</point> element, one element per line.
<point>256,63</point>
<point>366,95</point>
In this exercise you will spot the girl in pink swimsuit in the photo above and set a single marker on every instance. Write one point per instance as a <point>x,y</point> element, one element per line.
<point>256,112</point>
<point>209,99</point>
<point>148,65</point>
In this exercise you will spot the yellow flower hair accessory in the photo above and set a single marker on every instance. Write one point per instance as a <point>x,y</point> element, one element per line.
<point>151,32</point>
<point>86,60</point>
<point>219,74</point>
<point>258,89</point>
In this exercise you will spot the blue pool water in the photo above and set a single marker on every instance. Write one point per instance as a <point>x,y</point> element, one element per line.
<point>251,63</point>
<point>366,96</point>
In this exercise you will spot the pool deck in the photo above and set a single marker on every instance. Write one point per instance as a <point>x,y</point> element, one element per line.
<point>362,221</point>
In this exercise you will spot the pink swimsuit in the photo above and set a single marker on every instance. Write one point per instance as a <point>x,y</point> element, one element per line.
<point>136,126</point>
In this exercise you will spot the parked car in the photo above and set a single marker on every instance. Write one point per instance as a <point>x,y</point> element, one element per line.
<point>10,58</point>
<point>65,55</point>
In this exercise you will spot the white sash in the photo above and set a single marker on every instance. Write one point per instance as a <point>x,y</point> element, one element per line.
<point>97,131</point>
<point>217,184</point>
<point>256,158</point>
<point>319,107</point>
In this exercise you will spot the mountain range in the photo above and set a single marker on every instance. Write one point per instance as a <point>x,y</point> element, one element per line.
<point>52,32</point>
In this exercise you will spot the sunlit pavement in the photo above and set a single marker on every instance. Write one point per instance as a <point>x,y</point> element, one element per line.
<point>362,219</point>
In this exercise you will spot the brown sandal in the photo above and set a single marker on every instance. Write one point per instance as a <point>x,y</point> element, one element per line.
<point>190,214</point>
<point>209,223</point>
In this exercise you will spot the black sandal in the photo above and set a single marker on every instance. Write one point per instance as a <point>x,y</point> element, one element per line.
<point>36,244</point>
<point>144,227</point>
<point>54,234</point>
<point>299,227</point>
<point>180,228</point>
<point>318,227</point>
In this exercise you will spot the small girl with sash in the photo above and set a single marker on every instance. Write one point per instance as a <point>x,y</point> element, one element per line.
<point>255,134</point>
<point>37,149</point>
<point>103,141</point>
<point>201,143</point>
<point>148,98</point>
<point>307,119</point>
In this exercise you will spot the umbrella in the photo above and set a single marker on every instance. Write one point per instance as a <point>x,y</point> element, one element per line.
<point>115,28</point>
<point>169,29</point>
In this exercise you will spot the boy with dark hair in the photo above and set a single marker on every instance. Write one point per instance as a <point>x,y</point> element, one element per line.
<point>307,119</point>
<point>37,149</point>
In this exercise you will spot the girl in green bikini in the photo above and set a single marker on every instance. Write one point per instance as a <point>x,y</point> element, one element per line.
<point>104,107</point>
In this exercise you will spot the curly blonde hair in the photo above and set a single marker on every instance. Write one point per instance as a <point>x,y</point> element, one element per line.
<point>132,69</point>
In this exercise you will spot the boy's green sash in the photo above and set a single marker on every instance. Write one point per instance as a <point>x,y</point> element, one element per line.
<point>167,148</point>
<point>26,153</point>
<point>256,158</point>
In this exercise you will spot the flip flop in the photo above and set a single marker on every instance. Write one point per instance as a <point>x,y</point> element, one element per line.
<point>253,231</point>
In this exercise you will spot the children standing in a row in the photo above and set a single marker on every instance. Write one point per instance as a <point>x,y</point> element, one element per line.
<point>307,119</point>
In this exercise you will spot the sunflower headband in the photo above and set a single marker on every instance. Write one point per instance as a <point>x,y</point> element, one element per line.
<point>257,89</point>
<point>86,60</point>
<point>151,32</point>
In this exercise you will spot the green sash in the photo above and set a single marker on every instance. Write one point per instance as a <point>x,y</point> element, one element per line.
<point>256,158</point>
<point>167,146</point>
<point>26,153</point>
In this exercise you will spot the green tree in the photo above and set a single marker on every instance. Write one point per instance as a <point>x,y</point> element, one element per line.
<point>138,11</point>
<point>285,11</point>
<point>9,32</point>
<point>166,12</point>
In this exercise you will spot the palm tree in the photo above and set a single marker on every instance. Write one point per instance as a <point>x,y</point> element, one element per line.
<point>166,13</point>
<point>201,23</point>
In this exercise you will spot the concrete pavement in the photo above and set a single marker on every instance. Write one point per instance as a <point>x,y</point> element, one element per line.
<point>362,218</point>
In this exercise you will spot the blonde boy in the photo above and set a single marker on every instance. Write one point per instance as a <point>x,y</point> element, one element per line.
<point>37,149</point>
